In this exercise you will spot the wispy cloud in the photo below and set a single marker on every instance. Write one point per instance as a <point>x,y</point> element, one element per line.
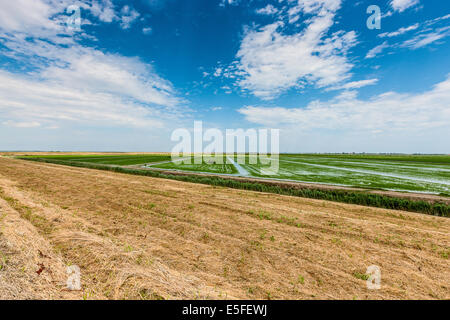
<point>424,39</point>
<point>388,112</point>
<point>377,50</point>
<point>425,33</point>
<point>355,84</point>
<point>21,124</point>
<point>128,16</point>
<point>402,5</point>
<point>400,31</point>
<point>267,10</point>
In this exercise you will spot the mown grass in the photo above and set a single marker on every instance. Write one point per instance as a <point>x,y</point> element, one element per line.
<point>353,197</point>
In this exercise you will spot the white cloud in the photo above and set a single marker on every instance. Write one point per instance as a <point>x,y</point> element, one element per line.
<point>128,16</point>
<point>89,87</point>
<point>400,31</point>
<point>271,62</point>
<point>427,33</point>
<point>30,16</point>
<point>46,18</point>
<point>218,72</point>
<point>267,10</point>
<point>147,30</point>
<point>424,39</point>
<point>356,84</point>
<point>402,5</point>
<point>104,10</point>
<point>377,50</point>
<point>32,124</point>
<point>73,83</point>
<point>223,3</point>
<point>113,74</point>
<point>29,102</point>
<point>447,16</point>
<point>386,112</point>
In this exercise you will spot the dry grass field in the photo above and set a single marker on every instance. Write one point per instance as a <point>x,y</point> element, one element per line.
<point>137,237</point>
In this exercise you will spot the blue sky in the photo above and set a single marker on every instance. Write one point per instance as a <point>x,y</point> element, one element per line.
<point>137,70</point>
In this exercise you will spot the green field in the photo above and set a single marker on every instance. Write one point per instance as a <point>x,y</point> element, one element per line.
<point>207,166</point>
<point>414,173</point>
<point>427,174</point>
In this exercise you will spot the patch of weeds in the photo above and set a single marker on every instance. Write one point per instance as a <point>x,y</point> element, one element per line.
<point>128,248</point>
<point>147,294</point>
<point>225,271</point>
<point>301,279</point>
<point>191,206</point>
<point>287,220</point>
<point>26,212</point>
<point>139,259</point>
<point>262,236</point>
<point>401,243</point>
<point>256,244</point>
<point>445,254</point>
<point>264,215</point>
<point>336,240</point>
<point>40,222</point>
<point>332,224</point>
<point>87,295</point>
<point>361,276</point>
<point>205,236</point>
<point>272,238</point>
<point>3,261</point>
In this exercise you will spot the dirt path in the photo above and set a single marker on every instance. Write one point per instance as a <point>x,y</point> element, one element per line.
<point>148,238</point>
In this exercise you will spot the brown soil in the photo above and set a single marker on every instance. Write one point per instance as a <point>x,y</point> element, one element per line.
<point>138,237</point>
